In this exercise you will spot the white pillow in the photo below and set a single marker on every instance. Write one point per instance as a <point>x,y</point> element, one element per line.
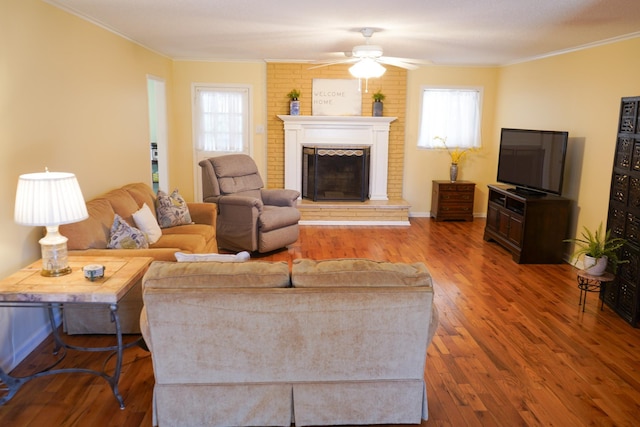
<point>147,223</point>
<point>239,257</point>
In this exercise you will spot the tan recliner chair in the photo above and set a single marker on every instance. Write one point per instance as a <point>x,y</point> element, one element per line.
<point>250,218</point>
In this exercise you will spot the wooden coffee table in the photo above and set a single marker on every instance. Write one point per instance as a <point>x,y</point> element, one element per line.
<point>28,288</point>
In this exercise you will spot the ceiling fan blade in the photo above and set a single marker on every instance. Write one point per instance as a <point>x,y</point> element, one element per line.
<point>326,64</point>
<point>397,63</point>
<point>411,60</point>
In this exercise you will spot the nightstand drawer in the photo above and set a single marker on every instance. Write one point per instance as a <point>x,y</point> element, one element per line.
<point>456,208</point>
<point>454,196</point>
<point>458,188</point>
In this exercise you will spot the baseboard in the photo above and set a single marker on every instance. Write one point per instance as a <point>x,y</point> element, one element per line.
<point>15,355</point>
<point>356,223</point>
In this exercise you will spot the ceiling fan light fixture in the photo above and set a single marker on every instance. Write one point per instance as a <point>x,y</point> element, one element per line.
<point>367,51</point>
<point>367,68</point>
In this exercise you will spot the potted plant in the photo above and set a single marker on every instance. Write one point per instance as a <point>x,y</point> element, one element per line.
<point>294,104</point>
<point>456,154</point>
<point>378,97</point>
<point>599,250</point>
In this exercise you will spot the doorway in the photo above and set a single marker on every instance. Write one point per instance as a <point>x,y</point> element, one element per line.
<point>156,91</point>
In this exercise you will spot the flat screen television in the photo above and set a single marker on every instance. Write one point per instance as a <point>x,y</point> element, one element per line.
<point>532,160</point>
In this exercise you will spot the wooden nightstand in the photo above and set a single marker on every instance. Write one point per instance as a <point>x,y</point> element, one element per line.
<point>452,200</point>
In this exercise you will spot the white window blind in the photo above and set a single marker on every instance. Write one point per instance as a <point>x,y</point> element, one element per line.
<point>450,113</point>
<point>221,122</point>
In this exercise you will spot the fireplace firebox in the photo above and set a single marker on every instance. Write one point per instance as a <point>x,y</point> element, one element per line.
<point>335,173</point>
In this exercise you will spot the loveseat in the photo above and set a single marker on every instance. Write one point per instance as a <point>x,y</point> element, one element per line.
<point>333,342</point>
<point>92,236</point>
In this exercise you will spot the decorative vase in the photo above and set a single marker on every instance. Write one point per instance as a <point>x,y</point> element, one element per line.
<point>377,109</point>
<point>453,172</point>
<point>595,266</point>
<point>294,107</point>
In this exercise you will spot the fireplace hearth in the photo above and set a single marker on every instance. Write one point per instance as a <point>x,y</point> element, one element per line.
<point>335,173</point>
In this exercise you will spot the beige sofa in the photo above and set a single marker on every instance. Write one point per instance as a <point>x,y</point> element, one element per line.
<point>334,342</point>
<point>91,236</point>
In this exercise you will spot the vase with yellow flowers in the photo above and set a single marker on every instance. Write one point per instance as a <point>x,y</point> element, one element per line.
<point>456,154</point>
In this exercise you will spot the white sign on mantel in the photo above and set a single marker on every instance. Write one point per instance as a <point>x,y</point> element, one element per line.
<point>336,97</point>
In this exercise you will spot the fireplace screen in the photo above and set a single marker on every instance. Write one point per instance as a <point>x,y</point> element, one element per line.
<point>335,173</point>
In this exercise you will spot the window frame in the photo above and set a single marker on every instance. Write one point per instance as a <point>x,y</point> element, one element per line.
<point>199,155</point>
<point>222,87</point>
<point>430,143</point>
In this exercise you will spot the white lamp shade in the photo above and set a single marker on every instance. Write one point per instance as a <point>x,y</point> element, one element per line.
<point>367,68</point>
<point>49,199</point>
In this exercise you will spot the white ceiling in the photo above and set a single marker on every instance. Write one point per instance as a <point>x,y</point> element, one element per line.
<point>451,32</point>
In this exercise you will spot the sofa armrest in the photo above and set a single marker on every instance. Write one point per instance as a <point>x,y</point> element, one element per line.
<point>280,197</point>
<point>203,213</point>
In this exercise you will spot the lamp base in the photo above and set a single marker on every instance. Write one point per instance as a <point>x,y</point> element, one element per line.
<point>56,273</point>
<point>54,254</point>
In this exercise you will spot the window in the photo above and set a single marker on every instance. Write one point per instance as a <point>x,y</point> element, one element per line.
<point>221,119</point>
<point>451,113</point>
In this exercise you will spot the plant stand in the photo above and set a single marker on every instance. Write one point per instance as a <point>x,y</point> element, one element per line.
<point>590,283</point>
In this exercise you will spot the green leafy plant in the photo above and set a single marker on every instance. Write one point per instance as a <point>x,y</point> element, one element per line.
<point>378,96</point>
<point>294,94</point>
<point>598,244</point>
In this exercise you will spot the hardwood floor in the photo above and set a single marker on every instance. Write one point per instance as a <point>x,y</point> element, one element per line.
<point>513,347</point>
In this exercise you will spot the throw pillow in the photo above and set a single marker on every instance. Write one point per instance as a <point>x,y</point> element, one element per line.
<point>239,257</point>
<point>124,236</point>
<point>171,209</point>
<point>147,223</point>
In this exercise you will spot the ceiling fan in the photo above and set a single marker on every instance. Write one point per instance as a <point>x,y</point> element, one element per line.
<point>370,54</point>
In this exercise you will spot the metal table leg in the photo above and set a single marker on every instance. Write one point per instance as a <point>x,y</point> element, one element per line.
<point>12,384</point>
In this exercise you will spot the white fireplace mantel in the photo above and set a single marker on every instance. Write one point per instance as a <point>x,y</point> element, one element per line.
<point>338,131</point>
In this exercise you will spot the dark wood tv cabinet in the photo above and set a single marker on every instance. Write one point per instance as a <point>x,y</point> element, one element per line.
<point>531,227</point>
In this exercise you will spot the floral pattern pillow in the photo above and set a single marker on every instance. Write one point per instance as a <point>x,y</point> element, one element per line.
<point>124,236</point>
<point>171,209</point>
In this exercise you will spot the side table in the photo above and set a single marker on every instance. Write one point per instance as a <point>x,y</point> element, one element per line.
<point>452,200</point>
<point>590,283</point>
<point>28,288</point>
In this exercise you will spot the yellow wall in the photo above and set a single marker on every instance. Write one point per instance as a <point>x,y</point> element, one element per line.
<point>579,92</point>
<point>423,166</point>
<point>73,98</point>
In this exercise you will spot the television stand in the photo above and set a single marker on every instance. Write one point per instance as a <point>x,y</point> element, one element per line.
<point>532,228</point>
<point>523,191</point>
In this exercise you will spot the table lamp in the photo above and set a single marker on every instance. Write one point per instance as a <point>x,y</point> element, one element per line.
<point>50,199</point>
